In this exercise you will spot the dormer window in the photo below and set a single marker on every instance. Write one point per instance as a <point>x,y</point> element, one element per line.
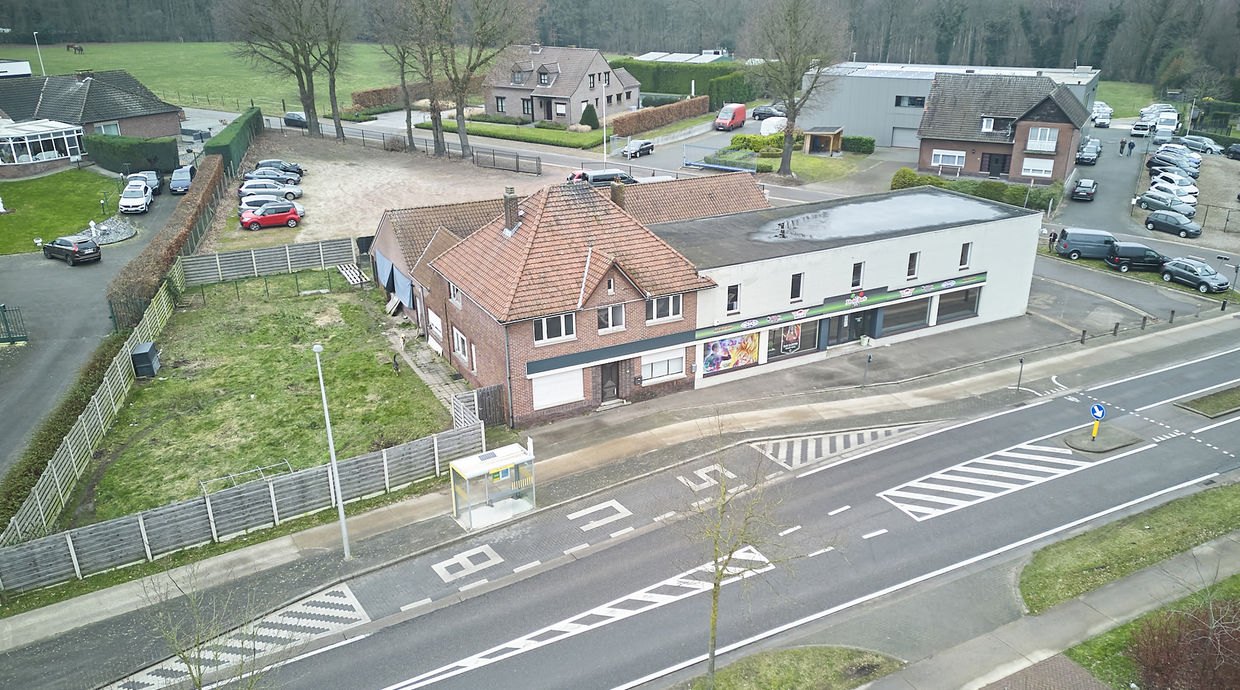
<point>988,124</point>
<point>518,77</point>
<point>544,78</point>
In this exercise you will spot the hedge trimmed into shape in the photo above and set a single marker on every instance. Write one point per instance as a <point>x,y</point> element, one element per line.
<point>112,152</point>
<point>646,119</point>
<point>234,140</point>
<point>533,135</point>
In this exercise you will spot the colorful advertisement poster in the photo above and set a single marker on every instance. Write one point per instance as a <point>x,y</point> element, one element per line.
<point>791,340</point>
<point>730,353</point>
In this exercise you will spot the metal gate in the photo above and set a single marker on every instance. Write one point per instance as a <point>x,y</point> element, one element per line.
<point>12,326</point>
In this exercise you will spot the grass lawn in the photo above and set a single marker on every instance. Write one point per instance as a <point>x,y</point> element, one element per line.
<point>1104,656</point>
<point>817,168</point>
<point>1215,404</point>
<point>1085,562</point>
<point>238,390</point>
<point>820,668</point>
<point>191,73</point>
<point>52,206</point>
<point>533,135</point>
<point>1126,98</point>
<point>1151,277</point>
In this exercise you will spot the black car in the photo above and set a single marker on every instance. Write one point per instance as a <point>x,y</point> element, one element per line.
<point>1172,222</point>
<point>1232,151</point>
<point>1195,274</point>
<point>637,148</point>
<point>1134,256</point>
<point>281,165</point>
<point>295,119</point>
<point>273,174</point>
<point>1167,158</point>
<point>74,249</point>
<point>1084,190</point>
<point>181,179</point>
<point>764,111</point>
<point>1088,155</point>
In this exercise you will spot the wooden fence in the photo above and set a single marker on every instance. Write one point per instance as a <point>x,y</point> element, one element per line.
<point>252,263</point>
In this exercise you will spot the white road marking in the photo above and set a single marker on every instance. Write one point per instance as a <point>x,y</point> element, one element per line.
<point>471,585</point>
<point>819,552</point>
<point>1216,425</point>
<point>877,533</point>
<point>575,548</point>
<point>617,533</point>
<point>620,513</point>
<point>463,564</point>
<point>664,516</point>
<point>839,510</point>
<point>1164,369</point>
<point>1199,391</point>
<point>527,566</point>
<point>689,583</point>
<point>416,604</point>
<point>248,674</point>
<point>707,481</point>
<point>790,530</point>
<point>778,630</point>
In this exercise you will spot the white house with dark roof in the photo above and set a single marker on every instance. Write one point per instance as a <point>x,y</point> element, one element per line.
<point>536,82</point>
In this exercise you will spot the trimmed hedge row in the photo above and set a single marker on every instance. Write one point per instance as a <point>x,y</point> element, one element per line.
<point>646,119</point>
<point>389,95</point>
<point>113,152</point>
<point>730,88</point>
<point>498,119</point>
<point>674,77</point>
<point>857,144</point>
<point>140,279</point>
<point>654,100</point>
<point>552,137</point>
<point>234,140</point>
<point>1014,194</point>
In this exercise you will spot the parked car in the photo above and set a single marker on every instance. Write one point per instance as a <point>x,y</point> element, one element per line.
<point>601,178</point>
<point>1155,108</point>
<point>1182,181</point>
<point>1168,158</point>
<point>151,178</point>
<point>1102,121</point>
<point>1194,273</point>
<point>295,119</point>
<point>731,116</point>
<point>1161,201</point>
<point>1084,190</point>
<point>1179,192</point>
<point>1201,144</point>
<point>136,198</point>
<point>181,179</point>
<point>1181,150</point>
<point>281,165</point>
<point>1172,222</point>
<point>287,191</point>
<point>1167,169</point>
<point>764,111</point>
<point>637,147</point>
<point>1142,128</point>
<point>1088,155</point>
<point>269,216</point>
<point>73,249</point>
<point>1075,243</point>
<point>1232,151</point>
<point>273,174</point>
<point>256,201</point>
<point>1134,256</point>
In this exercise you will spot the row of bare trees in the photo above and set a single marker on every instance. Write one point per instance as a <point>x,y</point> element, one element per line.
<point>448,44</point>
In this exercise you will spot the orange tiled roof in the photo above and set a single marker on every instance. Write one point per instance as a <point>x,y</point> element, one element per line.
<point>693,197</point>
<point>542,267</point>
<point>414,227</point>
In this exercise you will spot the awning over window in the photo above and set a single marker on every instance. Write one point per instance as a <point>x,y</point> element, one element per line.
<point>404,289</point>
<point>383,271</point>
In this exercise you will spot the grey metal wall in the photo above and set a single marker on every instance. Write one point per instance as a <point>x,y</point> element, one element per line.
<point>865,106</point>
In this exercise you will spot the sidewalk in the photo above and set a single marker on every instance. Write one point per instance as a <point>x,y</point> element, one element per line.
<point>922,380</point>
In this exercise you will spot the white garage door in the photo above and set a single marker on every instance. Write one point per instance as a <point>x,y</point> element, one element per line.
<point>905,137</point>
<point>557,389</point>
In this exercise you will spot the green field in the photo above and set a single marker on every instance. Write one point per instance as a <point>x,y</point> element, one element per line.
<point>1127,98</point>
<point>52,206</point>
<point>208,75</point>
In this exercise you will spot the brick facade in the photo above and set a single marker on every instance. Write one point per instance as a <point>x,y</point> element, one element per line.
<point>144,126</point>
<point>24,170</point>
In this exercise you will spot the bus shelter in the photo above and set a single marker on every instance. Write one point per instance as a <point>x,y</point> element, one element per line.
<point>493,486</point>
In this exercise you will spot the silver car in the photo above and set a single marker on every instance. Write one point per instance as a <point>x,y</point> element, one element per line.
<point>261,200</point>
<point>1160,201</point>
<point>286,191</point>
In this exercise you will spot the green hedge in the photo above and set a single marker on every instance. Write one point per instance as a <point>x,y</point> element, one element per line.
<point>654,101</point>
<point>1014,194</point>
<point>112,152</point>
<point>498,119</point>
<point>858,144</point>
<point>757,142</point>
<point>735,159</point>
<point>550,124</point>
<point>234,140</point>
<point>730,88</point>
<point>552,137</point>
<point>675,77</point>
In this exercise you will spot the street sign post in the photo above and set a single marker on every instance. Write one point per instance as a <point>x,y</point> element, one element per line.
<point>1098,412</point>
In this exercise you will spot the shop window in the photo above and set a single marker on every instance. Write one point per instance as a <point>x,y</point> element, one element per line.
<point>787,341</point>
<point>955,306</point>
<point>908,316</point>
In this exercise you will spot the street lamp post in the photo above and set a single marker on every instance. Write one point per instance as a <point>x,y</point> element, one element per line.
<point>40,52</point>
<point>1234,288</point>
<point>331,447</point>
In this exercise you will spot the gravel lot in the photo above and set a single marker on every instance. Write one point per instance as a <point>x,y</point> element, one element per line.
<point>348,187</point>
<point>1218,210</point>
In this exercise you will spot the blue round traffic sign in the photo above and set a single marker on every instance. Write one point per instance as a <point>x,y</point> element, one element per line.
<point>1098,411</point>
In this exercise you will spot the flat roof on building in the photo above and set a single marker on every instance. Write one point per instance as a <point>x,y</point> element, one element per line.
<point>1082,74</point>
<point>788,230</point>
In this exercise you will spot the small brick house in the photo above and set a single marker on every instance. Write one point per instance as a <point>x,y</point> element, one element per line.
<point>104,102</point>
<point>1010,127</point>
<point>569,302</point>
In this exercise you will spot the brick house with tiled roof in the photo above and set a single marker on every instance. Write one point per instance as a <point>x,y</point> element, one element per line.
<point>1020,128</point>
<point>690,197</point>
<point>536,82</point>
<point>103,102</point>
<point>568,276</point>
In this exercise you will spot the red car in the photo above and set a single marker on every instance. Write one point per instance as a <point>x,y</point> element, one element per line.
<point>270,215</point>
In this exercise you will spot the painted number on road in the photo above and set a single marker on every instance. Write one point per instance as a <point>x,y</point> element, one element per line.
<point>707,481</point>
<point>619,512</point>
<point>467,563</point>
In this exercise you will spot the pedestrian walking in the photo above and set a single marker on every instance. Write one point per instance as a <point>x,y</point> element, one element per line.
<point>1051,244</point>
<point>1131,145</point>
<point>1122,144</point>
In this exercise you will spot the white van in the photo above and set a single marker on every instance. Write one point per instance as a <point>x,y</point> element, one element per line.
<point>1167,123</point>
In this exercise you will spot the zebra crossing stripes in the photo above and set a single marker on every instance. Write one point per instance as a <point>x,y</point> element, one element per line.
<point>794,453</point>
<point>324,613</point>
<point>982,479</point>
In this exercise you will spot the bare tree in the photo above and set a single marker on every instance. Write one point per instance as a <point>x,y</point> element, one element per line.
<point>478,31</point>
<point>395,28</point>
<point>284,39</point>
<point>797,42</point>
<point>432,19</point>
<point>336,26</point>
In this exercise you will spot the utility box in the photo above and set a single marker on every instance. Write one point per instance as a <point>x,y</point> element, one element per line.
<point>145,359</point>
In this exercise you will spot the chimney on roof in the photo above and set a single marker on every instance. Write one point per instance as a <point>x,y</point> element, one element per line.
<point>535,48</point>
<point>512,217</point>
<point>617,193</point>
<point>84,74</point>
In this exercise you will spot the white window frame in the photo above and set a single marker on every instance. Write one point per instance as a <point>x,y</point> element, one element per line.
<point>568,322</point>
<point>606,78</point>
<point>988,124</point>
<point>518,77</point>
<point>947,158</point>
<point>527,106</point>
<point>454,295</point>
<point>966,254</point>
<point>797,288</point>
<point>501,104</point>
<point>460,345</point>
<point>544,79</point>
<point>1044,171</point>
<point>561,109</point>
<point>914,264</point>
<point>611,311</point>
<point>434,325</point>
<point>1042,139</point>
<point>473,358</point>
<point>650,364</point>
<point>591,81</point>
<point>115,124</point>
<point>674,312</point>
<point>732,299</point>
<point>611,286</point>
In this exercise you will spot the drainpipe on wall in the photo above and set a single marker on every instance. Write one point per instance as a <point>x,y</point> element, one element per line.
<point>508,378</point>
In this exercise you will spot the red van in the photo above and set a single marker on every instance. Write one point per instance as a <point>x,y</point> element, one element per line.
<point>731,116</point>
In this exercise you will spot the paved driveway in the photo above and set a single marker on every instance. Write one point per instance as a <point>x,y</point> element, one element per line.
<point>67,316</point>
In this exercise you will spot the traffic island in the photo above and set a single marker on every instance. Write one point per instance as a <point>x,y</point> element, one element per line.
<point>1110,437</point>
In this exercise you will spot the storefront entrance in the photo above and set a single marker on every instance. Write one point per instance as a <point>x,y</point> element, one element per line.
<point>850,327</point>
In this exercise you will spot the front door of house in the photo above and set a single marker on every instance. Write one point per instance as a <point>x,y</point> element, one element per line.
<point>996,164</point>
<point>547,109</point>
<point>611,380</point>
